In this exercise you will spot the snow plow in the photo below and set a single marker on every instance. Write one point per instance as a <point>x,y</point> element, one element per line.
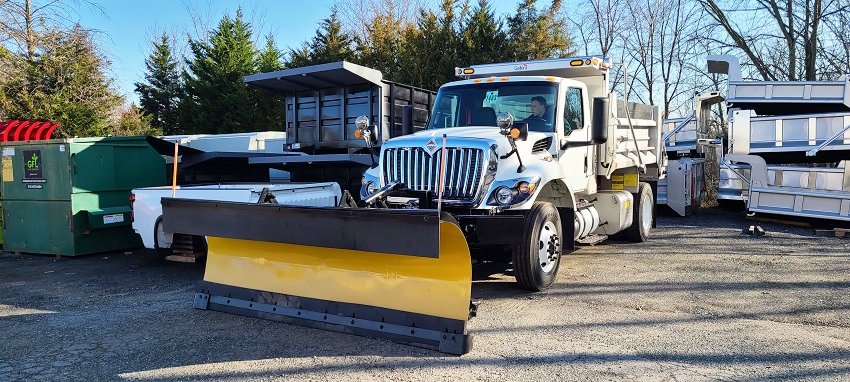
<point>402,275</point>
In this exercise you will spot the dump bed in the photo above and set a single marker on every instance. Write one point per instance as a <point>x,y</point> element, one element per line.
<point>634,128</point>
<point>323,101</point>
<point>790,97</point>
<point>791,138</point>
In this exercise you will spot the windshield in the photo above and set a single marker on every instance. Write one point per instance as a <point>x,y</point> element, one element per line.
<point>478,104</point>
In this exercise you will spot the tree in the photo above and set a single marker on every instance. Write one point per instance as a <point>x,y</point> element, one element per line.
<point>431,50</point>
<point>64,82</point>
<point>330,44</point>
<point>538,34</point>
<point>786,45</point>
<point>132,121</point>
<point>160,94</point>
<point>270,106</point>
<point>216,99</point>
<point>380,45</point>
<point>483,37</point>
<point>24,22</point>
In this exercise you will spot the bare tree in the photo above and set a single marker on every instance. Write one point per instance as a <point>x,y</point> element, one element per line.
<point>21,21</point>
<point>358,14</point>
<point>659,49</point>
<point>779,38</point>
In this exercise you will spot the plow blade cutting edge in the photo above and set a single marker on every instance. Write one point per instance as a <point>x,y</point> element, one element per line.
<point>401,275</point>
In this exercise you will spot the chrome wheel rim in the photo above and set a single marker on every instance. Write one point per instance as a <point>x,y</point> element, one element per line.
<point>548,247</point>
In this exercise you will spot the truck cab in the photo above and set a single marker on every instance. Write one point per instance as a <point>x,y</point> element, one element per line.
<point>531,157</point>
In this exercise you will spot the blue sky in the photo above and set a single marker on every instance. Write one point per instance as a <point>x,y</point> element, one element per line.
<point>126,28</point>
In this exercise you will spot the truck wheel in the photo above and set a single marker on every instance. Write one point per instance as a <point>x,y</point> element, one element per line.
<point>157,233</point>
<point>638,232</point>
<point>537,256</point>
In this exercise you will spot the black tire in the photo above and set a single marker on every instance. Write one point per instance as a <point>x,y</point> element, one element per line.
<point>532,273</point>
<point>159,251</point>
<point>640,229</point>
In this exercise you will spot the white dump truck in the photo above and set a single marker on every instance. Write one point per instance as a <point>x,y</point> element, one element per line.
<point>518,161</point>
<point>530,157</point>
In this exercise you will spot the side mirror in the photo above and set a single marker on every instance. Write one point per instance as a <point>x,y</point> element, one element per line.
<point>363,130</point>
<point>599,121</point>
<point>509,128</point>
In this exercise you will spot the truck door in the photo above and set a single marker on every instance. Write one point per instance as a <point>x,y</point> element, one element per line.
<point>576,160</point>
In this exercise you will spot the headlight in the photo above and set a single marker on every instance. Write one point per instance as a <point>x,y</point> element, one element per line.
<point>504,195</point>
<point>368,185</point>
<point>512,192</point>
<point>371,187</point>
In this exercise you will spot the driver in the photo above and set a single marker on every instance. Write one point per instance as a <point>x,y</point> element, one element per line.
<point>537,121</point>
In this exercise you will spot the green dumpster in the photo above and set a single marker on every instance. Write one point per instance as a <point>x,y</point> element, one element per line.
<point>70,197</point>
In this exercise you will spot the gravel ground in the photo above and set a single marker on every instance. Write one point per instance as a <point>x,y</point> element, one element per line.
<point>699,302</point>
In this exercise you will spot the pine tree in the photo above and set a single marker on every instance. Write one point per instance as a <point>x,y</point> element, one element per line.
<point>160,94</point>
<point>64,82</point>
<point>216,99</point>
<point>538,34</point>
<point>483,37</point>
<point>269,59</point>
<point>330,44</point>
<point>270,106</point>
<point>380,47</point>
<point>431,51</point>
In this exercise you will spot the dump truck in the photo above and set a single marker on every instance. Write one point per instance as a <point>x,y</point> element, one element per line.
<point>518,161</point>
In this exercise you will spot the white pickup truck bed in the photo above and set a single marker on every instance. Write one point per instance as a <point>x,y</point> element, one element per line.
<point>147,206</point>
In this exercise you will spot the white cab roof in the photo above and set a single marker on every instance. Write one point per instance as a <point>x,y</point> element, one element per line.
<point>557,67</point>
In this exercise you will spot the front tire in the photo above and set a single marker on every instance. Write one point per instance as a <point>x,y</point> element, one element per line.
<point>642,217</point>
<point>537,257</point>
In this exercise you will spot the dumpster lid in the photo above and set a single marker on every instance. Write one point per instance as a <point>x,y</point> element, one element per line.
<point>334,74</point>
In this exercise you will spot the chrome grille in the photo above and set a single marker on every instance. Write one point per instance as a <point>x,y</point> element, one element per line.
<point>421,172</point>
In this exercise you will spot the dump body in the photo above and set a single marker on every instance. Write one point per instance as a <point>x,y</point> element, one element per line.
<point>322,103</point>
<point>775,129</point>
<point>70,197</point>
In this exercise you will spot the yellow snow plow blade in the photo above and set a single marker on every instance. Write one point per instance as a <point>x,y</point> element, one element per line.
<point>436,287</point>
<point>394,274</point>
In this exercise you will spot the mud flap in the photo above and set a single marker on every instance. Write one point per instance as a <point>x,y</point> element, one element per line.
<point>400,275</point>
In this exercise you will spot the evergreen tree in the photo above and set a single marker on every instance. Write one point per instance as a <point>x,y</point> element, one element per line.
<point>431,51</point>
<point>538,34</point>
<point>484,40</point>
<point>216,99</point>
<point>270,58</point>
<point>64,82</point>
<point>160,93</point>
<point>330,44</point>
<point>270,107</point>
<point>380,47</point>
<point>300,57</point>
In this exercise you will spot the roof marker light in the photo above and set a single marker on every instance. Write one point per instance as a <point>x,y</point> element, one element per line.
<point>468,71</point>
<point>576,63</point>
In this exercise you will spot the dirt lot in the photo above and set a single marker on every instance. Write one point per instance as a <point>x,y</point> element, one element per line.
<point>700,302</point>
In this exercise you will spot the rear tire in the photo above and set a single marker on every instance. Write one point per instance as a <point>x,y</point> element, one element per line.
<point>537,257</point>
<point>157,231</point>
<point>642,218</point>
